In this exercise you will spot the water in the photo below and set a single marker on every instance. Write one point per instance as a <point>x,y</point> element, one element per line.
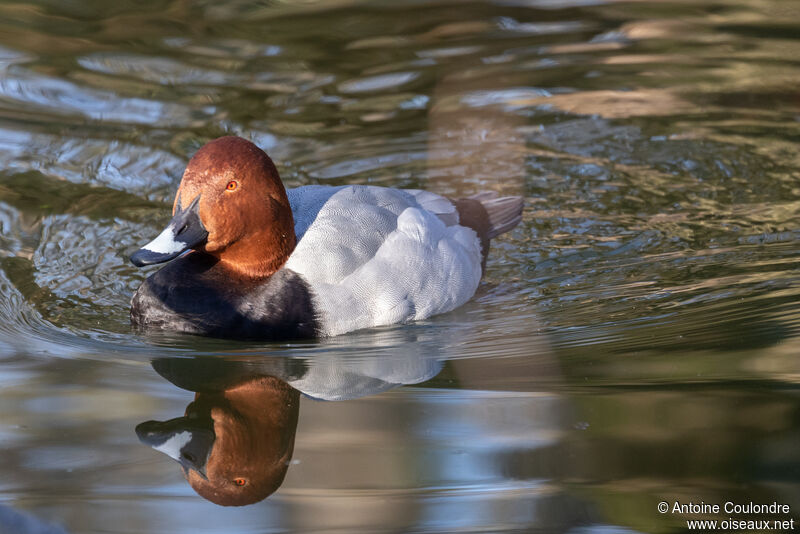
<point>635,339</point>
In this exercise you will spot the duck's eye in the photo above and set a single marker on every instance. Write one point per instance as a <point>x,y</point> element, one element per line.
<point>240,481</point>
<point>232,185</point>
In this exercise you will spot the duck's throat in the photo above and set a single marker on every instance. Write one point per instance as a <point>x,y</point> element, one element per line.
<point>259,256</point>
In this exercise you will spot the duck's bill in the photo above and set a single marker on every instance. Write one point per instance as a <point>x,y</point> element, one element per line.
<point>187,441</point>
<point>184,231</point>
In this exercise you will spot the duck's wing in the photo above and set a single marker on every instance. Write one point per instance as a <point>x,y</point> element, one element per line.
<point>374,256</point>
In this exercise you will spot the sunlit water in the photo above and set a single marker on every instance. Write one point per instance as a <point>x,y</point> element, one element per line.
<point>635,339</point>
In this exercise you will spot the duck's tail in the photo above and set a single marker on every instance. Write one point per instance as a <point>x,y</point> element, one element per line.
<point>504,212</point>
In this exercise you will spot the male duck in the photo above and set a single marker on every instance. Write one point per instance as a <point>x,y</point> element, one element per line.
<point>266,263</point>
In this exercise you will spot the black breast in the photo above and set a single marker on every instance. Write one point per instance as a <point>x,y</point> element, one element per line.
<point>195,295</point>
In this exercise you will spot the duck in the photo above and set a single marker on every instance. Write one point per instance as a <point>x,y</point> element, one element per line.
<point>248,259</point>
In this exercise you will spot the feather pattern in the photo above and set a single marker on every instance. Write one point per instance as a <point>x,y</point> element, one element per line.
<point>375,256</point>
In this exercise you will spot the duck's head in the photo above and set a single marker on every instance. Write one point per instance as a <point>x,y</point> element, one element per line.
<point>232,205</point>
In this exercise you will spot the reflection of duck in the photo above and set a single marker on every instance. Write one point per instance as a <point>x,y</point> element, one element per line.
<point>235,440</point>
<point>233,443</point>
<point>317,261</point>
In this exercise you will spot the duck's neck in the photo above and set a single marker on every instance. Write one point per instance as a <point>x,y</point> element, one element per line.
<point>262,252</point>
<point>254,258</point>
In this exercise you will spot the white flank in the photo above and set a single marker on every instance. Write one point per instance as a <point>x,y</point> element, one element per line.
<point>172,447</point>
<point>165,243</point>
<point>374,256</point>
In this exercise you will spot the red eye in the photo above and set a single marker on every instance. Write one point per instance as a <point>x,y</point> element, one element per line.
<point>232,185</point>
<point>239,481</point>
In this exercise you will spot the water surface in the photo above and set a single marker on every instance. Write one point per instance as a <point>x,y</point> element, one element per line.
<point>634,341</point>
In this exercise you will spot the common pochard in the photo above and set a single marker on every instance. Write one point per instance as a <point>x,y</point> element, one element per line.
<point>271,264</point>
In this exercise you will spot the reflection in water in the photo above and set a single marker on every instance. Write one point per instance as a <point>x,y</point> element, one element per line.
<point>235,441</point>
<point>15,522</point>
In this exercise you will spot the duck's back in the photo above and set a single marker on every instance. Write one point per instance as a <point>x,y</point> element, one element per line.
<point>375,256</point>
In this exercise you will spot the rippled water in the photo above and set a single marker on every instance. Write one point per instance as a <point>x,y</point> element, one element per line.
<point>635,339</point>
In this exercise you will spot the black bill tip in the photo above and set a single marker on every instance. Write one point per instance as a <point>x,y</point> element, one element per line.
<point>143,257</point>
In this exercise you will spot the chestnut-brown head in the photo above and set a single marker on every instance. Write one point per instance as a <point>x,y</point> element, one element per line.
<point>232,205</point>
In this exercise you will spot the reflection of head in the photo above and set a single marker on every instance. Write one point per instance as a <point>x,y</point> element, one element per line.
<point>254,425</point>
